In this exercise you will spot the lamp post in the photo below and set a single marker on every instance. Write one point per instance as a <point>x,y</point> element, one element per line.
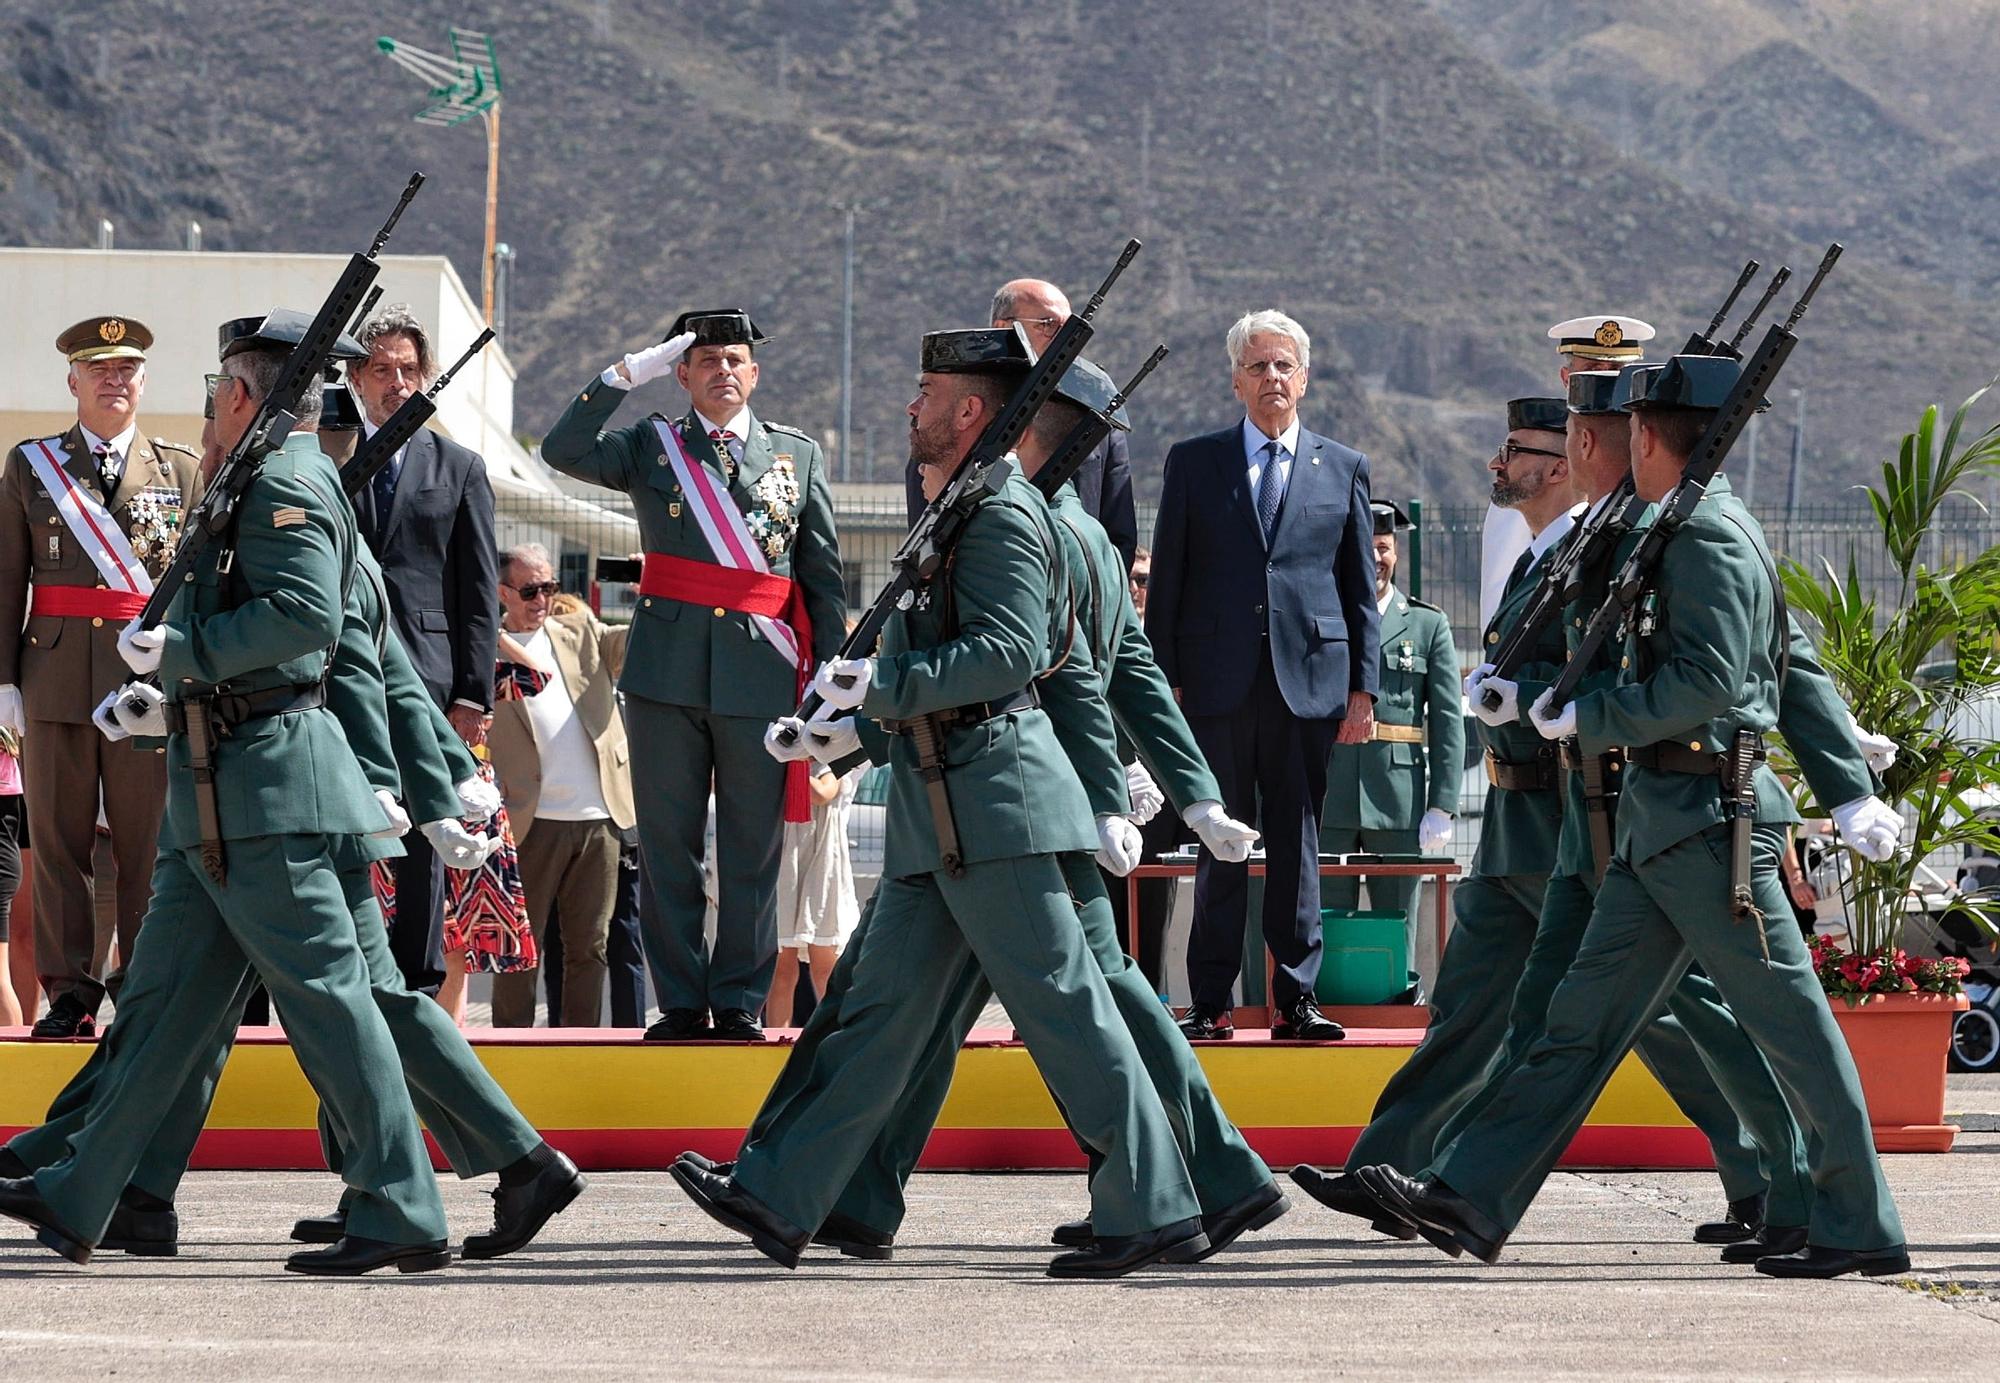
<point>463,85</point>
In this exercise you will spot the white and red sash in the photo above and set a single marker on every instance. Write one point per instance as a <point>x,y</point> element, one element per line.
<point>103,540</point>
<point>738,579</point>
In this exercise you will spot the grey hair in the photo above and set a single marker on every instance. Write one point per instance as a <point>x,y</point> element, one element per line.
<point>1268,322</point>
<point>1005,302</point>
<point>260,371</point>
<point>394,319</point>
<point>526,552</point>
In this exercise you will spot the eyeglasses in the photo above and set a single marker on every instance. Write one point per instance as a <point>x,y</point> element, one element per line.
<point>1030,321</point>
<point>212,383</point>
<point>1508,450</point>
<point>1283,369</point>
<point>535,590</point>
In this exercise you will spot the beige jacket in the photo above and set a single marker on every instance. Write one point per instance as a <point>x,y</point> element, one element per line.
<point>589,655</point>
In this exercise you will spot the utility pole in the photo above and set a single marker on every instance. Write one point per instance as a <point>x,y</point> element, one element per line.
<point>847,344</point>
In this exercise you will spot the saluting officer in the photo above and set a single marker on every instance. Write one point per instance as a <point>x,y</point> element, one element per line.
<point>740,599</point>
<point>1396,794</point>
<point>88,519</point>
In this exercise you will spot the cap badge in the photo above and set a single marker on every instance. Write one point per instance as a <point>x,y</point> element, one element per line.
<point>1610,334</point>
<point>111,330</point>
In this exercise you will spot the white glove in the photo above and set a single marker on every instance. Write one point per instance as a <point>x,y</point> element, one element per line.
<point>1509,709</point>
<point>12,717</point>
<point>843,682</point>
<point>1553,726</point>
<point>1878,750</point>
<point>102,717</point>
<point>140,648</point>
<point>1147,799</point>
<point>1434,832</point>
<point>833,740</point>
<point>654,361</point>
<point>456,846</point>
<point>150,717</point>
<point>478,798</point>
<point>797,750</point>
<point>1475,677</point>
<point>1226,838</point>
<point>1118,844</point>
<point>1870,827</point>
<point>399,820</point>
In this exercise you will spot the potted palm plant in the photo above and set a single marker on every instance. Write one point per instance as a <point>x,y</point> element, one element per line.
<point>1912,654</point>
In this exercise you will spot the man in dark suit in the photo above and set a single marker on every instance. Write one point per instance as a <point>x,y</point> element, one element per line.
<point>429,519</point>
<point>1104,480</point>
<point>1261,609</point>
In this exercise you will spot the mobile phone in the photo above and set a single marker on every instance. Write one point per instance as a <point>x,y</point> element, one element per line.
<point>623,571</point>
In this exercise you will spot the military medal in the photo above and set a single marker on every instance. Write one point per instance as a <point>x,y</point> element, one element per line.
<point>1407,662</point>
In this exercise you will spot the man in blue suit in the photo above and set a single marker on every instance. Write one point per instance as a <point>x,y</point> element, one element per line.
<point>1262,615</point>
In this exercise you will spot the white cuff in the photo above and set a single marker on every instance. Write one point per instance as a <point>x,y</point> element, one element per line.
<point>615,380</point>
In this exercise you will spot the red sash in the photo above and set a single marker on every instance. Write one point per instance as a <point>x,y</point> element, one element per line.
<point>87,602</point>
<point>748,593</point>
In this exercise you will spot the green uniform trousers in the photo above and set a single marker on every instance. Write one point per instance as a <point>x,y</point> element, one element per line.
<point>283,914</point>
<point>687,748</point>
<point>1493,927</point>
<point>474,1122</point>
<point>1220,1163</point>
<point>1649,922</point>
<point>1014,920</point>
<point>1696,1050</point>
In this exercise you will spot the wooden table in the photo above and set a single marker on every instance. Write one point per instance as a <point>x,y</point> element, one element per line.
<point>1330,867</point>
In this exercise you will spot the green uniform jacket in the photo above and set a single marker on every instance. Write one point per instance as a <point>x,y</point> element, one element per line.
<point>1141,702</point>
<point>1518,835</point>
<point>1700,662</point>
<point>1386,786</point>
<point>271,622</point>
<point>698,655</point>
<point>1013,791</point>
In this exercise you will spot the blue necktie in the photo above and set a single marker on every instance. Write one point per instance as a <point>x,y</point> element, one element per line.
<point>385,490</point>
<point>1270,490</point>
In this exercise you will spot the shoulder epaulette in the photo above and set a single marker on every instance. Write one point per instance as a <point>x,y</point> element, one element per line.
<point>1426,605</point>
<point>789,430</point>
<point>175,446</point>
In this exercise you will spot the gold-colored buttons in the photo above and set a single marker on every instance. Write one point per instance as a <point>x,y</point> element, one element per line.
<point>1624,662</point>
<point>1493,637</point>
<point>97,623</point>
<point>720,612</point>
<point>33,640</point>
<point>1695,745</point>
<point>647,602</point>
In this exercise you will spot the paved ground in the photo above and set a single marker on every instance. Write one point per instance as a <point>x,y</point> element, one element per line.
<point>634,1283</point>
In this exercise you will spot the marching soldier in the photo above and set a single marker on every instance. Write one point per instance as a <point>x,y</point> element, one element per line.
<point>1698,688</point>
<point>88,519</point>
<point>1397,793</point>
<point>741,597</point>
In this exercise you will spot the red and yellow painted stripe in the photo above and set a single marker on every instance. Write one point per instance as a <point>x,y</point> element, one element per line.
<point>611,1101</point>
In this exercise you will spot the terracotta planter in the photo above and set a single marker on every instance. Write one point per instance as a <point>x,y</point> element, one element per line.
<point>1900,1042</point>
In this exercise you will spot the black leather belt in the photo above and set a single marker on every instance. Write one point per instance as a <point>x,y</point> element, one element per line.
<point>1671,756</point>
<point>1534,775</point>
<point>231,709</point>
<point>977,713</point>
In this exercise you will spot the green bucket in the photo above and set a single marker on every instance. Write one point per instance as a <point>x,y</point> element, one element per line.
<point>1365,958</point>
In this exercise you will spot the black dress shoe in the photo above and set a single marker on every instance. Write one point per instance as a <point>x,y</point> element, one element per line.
<point>1117,1255</point>
<point>1771,1241</point>
<point>1744,1219</point>
<point>769,1232</point>
<point>1203,1024</point>
<point>20,1200</point>
<point>1818,1262</point>
<point>66,1019</point>
<point>678,1025</point>
<point>1438,1212</point>
<point>519,1212</point>
<point>11,1165</point>
<point>853,1238</point>
<point>320,1229</point>
<point>1344,1193</point>
<point>1073,1234</point>
<point>1303,1022</point>
<point>144,1232</point>
<point>737,1025</point>
<point>353,1256</point>
<point>695,1159</point>
<point>1225,1226</point>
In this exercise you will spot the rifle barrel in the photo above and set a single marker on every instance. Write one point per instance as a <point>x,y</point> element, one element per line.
<point>1742,282</point>
<point>1819,276</point>
<point>1770,291</point>
<point>402,203</point>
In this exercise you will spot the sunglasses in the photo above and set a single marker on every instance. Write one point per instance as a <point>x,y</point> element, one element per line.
<point>536,590</point>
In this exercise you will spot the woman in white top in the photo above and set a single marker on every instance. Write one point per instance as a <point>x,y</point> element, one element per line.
<point>817,910</point>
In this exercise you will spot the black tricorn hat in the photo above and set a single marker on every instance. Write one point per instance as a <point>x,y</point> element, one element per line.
<point>1539,414</point>
<point>1689,381</point>
<point>1087,386</point>
<point>338,412</point>
<point>718,326</point>
<point>279,329</point>
<point>1591,392</point>
<point>1389,518</point>
<point>977,350</point>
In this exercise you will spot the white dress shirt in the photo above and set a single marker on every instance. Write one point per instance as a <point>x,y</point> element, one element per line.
<point>570,789</point>
<point>1254,442</point>
<point>121,445</point>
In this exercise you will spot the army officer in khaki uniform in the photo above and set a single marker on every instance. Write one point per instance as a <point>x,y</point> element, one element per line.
<point>1396,793</point>
<point>87,519</point>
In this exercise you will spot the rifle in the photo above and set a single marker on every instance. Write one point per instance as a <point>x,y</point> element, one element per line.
<point>1082,439</point>
<point>982,472</point>
<point>1734,350</point>
<point>1703,342</point>
<point>416,410</point>
<point>274,420</point>
<point>367,306</point>
<point>1678,507</point>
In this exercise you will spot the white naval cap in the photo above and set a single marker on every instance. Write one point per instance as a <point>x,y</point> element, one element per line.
<point>1602,337</point>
